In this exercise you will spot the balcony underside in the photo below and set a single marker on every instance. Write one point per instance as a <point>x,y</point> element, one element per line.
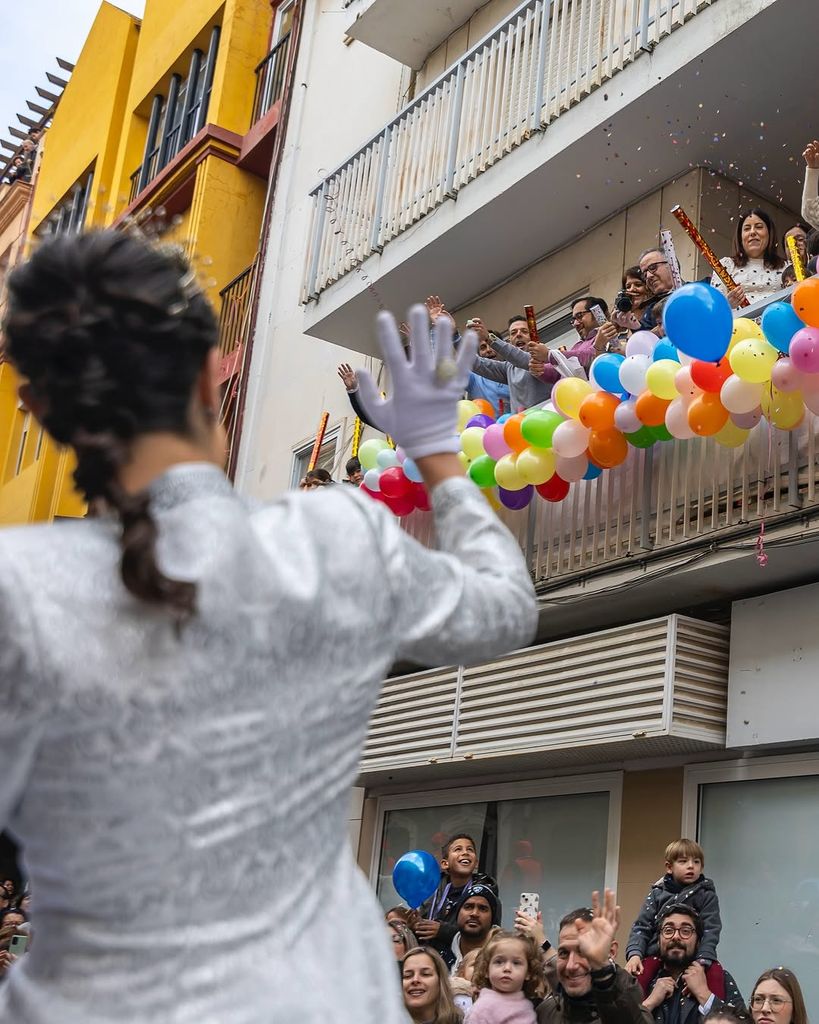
<point>653,120</point>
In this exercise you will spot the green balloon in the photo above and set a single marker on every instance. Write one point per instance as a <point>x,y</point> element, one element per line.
<point>661,433</point>
<point>482,471</point>
<point>642,438</point>
<point>538,427</point>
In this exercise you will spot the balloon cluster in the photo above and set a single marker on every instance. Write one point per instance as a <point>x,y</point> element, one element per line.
<point>391,477</point>
<point>712,376</point>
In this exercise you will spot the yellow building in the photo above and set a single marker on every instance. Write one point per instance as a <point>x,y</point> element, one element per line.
<point>170,122</point>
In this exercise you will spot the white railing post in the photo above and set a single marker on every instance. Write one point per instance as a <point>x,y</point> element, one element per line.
<point>375,230</point>
<point>536,121</point>
<point>454,131</point>
<point>456,712</point>
<point>318,232</point>
<point>794,497</point>
<point>645,517</point>
<point>644,43</point>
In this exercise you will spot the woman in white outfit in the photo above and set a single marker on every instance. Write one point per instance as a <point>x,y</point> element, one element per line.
<point>186,680</point>
<point>755,265</point>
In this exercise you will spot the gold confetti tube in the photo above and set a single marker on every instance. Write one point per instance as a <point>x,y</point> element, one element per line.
<point>357,428</point>
<point>796,259</point>
<point>322,428</point>
<point>706,250</point>
<point>531,323</point>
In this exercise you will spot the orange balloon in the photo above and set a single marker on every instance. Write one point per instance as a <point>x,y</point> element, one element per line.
<point>650,409</point>
<point>607,448</point>
<point>512,435</point>
<point>707,415</point>
<point>597,410</point>
<point>484,406</point>
<point>805,300</point>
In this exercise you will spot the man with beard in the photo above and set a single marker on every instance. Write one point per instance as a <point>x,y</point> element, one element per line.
<point>588,986</point>
<point>477,914</point>
<point>678,989</point>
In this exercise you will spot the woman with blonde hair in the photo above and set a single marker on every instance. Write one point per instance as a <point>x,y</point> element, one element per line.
<point>427,991</point>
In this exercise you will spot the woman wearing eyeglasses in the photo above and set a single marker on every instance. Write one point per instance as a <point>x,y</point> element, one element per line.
<point>777,998</point>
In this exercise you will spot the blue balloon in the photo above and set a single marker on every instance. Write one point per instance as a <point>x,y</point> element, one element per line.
<point>593,472</point>
<point>504,418</point>
<point>699,321</point>
<point>416,876</point>
<point>665,350</point>
<point>780,323</point>
<point>412,472</point>
<point>606,370</point>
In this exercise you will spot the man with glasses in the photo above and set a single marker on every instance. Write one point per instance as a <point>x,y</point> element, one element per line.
<point>659,281</point>
<point>678,989</point>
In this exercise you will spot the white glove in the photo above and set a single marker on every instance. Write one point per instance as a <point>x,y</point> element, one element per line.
<point>421,414</point>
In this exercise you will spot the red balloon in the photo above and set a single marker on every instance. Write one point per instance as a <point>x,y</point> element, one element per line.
<point>400,506</point>
<point>710,376</point>
<point>420,498</point>
<point>394,484</point>
<point>376,495</point>
<point>555,489</point>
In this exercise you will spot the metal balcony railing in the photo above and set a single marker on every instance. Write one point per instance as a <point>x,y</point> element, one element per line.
<point>545,57</point>
<point>666,496</point>
<point>270,78</point>
<point>234,317</point>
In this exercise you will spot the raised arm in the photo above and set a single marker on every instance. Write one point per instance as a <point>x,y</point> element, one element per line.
<point>473,598</point>
<point>511,353</point>
<point>810,192</point>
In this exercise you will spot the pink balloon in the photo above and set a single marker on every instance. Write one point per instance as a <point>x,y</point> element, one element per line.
<point>740,395</point>
<point>746,420</point>
<point>570,439</point>
<point>804,350</point>
<point>676,420</point>
<point>811,400</point>
<point>784,376</point>
<point>641,343</point>
<point>573,469</point>
<point>685,385</point>
<point>626,419</point>
<point>493,443</point>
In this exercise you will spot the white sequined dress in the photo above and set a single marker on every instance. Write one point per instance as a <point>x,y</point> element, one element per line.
<point>182,800</point>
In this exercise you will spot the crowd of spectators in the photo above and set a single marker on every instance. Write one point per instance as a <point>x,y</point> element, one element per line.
<point>457,965</point>
<point>21,167</point>
<point>514,372</point>
<point>15,936</point>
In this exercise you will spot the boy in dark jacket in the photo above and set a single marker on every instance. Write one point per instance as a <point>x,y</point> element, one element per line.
<point>683,882</point>
<point>436,922</point>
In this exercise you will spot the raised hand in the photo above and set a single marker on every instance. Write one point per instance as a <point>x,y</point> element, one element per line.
<point>348,376</point>
<point>594,938</point>
<point>421,411</point>
<point>435,307</point>
<point>811,155</point>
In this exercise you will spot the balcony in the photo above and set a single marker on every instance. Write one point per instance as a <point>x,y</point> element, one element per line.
<point>270,78</point>
<point>675,526</point>
<point>526,115</point>
<point>235,326</point>
<point>652,688</point>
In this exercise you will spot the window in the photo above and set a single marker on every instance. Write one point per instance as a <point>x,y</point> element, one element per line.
<point>69,216</point>
<point>284,21</point>
<point>758,823</point>
<point>558,838</point>
<point>326,459</point>
<point>176,118</point>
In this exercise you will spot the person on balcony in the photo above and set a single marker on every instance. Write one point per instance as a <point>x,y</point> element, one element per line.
<point>525,389</point>
<point>187,680</point>
<point>756,265</point>
<point>595,339</point>
<point>659,281</point>
<point>810,190</point>
<point>349,378</point>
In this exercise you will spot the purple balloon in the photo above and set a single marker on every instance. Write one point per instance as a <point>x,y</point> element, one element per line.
<point>746,420</point>
<point>481,420</point>
<point>516,499</point>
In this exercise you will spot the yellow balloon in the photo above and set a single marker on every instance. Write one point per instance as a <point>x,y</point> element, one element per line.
<point>507,475</point>
<point>472,442</point>
<point>731,436</point>
<point>536,465</point>
<point>752,360</point>
<point>466,410</point>
<point>568,394</point>
<point>784,409</point>
<point>463,458</point>
<point>660,379</point>
<point>745,330</point>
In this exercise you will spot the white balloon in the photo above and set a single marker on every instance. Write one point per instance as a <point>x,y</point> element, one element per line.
<point>570,439</point>
<point>633,371</point>
<point>372,479</point>
<point>811,400</point>
<point>740,395</point>
<point>641,343</point>
<point>387,458</point>
<point>571,470</point>
<point>676,420</point>
<point>626,419</point>
<point>685,385</point>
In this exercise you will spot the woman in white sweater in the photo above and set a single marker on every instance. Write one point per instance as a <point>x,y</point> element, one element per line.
<point>810,192</point>
<point>756,265</point>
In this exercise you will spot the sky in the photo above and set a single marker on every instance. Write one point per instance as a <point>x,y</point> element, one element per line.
<point>33,33</point>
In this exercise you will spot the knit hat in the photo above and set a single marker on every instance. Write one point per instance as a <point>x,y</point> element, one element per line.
<point>487,893</point>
